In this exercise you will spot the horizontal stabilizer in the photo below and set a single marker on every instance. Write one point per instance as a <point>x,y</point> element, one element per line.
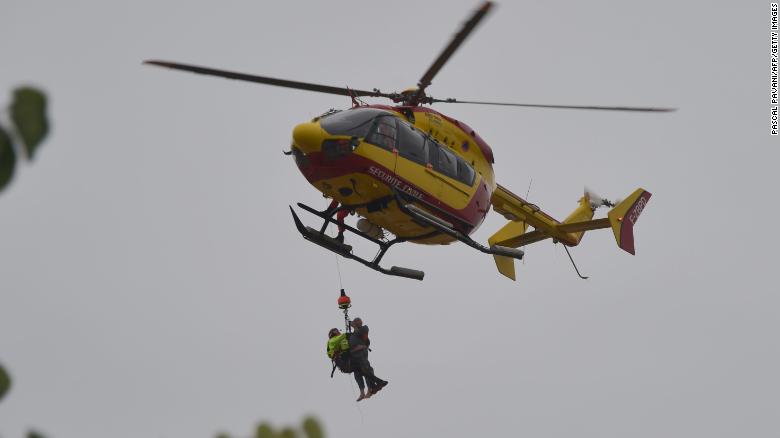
<point>575,227</point>
<point>503,244</point>
<point>503,251</point>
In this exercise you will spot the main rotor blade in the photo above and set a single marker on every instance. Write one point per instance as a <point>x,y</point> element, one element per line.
<point>590,107</point>
<point>457,40</point>
<point>269,81</point>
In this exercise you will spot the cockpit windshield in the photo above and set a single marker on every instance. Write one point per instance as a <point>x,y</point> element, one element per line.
<point>353,122</point>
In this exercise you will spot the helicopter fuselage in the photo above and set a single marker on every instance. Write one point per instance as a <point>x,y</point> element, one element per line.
<point>368,156</point>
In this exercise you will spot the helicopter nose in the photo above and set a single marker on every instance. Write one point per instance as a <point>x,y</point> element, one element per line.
<point>308,137</point>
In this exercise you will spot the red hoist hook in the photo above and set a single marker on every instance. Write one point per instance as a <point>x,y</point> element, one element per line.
<point>344,304</point>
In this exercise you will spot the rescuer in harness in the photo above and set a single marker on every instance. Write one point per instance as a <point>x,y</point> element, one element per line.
<point>338,352</point>
<point>340,215</point>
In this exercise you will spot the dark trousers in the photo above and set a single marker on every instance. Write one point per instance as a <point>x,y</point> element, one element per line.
<point>359,379</point>
<point>362,369</point>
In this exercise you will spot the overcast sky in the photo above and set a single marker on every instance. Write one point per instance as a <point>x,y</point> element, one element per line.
<point>152,283</point>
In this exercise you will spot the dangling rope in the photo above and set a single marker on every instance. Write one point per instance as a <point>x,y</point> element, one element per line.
<point>527,193</point>
<point>352,385</point>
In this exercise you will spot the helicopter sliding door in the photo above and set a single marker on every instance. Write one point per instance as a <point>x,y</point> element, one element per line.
<point>457,177</point>
<point>418,165</point>
<point>408,158</point>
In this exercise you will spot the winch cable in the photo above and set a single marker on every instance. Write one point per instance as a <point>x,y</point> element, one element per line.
<point>338,269</point>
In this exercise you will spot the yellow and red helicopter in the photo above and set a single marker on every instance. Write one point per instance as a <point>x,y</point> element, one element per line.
<point>423,176</point>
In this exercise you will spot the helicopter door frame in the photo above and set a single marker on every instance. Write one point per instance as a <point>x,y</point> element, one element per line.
<point>412,168</point>
<point>449,192</point>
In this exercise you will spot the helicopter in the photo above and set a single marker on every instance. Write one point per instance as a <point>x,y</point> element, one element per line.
<point>413,174</point>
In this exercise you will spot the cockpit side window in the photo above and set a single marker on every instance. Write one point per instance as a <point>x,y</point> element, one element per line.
<point>384,133</point>
<point>446,162</point>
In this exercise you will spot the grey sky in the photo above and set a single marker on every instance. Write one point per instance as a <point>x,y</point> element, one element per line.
<point>152,283</point>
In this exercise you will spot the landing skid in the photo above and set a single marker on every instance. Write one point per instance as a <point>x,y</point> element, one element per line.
<point>407,206</point>
<point>320,238</point>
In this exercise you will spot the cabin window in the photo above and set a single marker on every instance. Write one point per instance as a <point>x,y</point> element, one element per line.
<point>465,173</point>
<point>353,122</point>
<point>384,133</point>
<point>412,144</point>
<point>446,162</point>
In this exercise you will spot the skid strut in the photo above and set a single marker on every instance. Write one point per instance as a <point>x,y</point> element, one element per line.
<point>320,238</point>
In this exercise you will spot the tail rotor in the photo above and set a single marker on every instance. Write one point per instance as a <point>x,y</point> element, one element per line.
<point>597,201</point>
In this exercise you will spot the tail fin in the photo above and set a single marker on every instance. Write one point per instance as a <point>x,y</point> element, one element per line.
<point>623,217</point>
<point>504,237</point>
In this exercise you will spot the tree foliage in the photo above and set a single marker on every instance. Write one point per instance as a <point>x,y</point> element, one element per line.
<point>29,126</point>
<point>5,382</point>
<point>5,385</point>
<point>28,112</point>
<point>310,428</point>
<point>7,158</point>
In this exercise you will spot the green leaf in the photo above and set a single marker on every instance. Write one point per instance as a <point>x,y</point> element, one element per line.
<point>7,159</point>
<point>264,430</point>
<point>5,382</point>
<point>34,434</point>
<point>312,428</point>
<point>288,433</point>
<point>28,112</point>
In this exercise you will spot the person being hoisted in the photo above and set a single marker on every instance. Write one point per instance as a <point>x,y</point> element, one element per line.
<point>349,352</point>
<point>359,348</point>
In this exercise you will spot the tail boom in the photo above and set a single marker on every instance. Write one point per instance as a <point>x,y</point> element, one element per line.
<point>523,214</point>
<point>515,208</point>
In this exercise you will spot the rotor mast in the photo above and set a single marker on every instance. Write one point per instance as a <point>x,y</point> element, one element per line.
<point>419,96</point>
